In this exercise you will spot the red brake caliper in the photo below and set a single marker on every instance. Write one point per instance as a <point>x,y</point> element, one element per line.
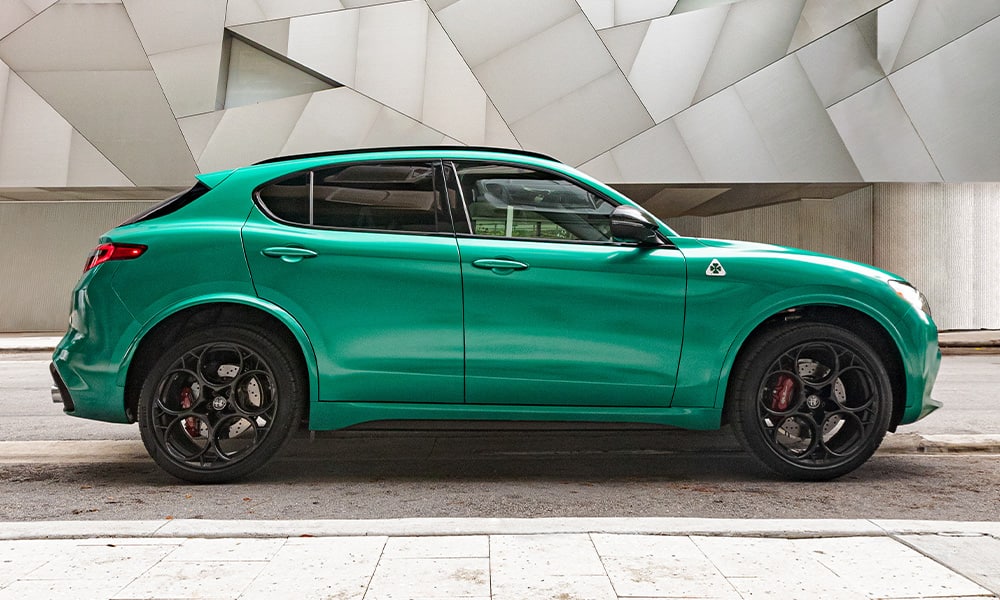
<point>190,423</point>
<point>781,394</point>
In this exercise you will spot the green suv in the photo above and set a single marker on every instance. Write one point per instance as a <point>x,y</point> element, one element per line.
<point>474,284</point>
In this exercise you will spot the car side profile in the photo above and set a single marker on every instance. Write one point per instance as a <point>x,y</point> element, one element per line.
<point>454,283</point>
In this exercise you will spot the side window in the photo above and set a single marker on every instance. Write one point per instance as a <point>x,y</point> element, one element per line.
<point>400,197</point>
<point>515,202</point>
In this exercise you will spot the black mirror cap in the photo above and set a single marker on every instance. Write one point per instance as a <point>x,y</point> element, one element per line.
<point>629,224</point>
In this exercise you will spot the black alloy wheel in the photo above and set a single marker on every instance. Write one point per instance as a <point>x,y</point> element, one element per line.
<point>810,401</point>
<point>220,403</point>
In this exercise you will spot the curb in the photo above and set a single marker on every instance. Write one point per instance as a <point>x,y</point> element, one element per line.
<point>665,526</point>
<point>917,443</point>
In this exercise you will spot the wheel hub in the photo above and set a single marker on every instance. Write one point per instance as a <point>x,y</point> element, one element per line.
<point>837,412</point>
<point>214,406</point>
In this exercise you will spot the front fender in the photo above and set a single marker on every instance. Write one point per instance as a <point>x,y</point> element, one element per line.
<point>715,330</point>
<point>779,305</point>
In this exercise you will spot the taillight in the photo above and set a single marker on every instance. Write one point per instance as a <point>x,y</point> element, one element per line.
<point>112,251</point>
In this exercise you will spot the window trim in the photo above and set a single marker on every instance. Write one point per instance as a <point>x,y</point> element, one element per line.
<point>434,163</point>
<point>667,243</point>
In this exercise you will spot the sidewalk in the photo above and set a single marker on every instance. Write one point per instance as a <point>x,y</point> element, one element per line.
<point>513,559</point>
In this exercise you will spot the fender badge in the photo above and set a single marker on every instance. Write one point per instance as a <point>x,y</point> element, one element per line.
<point>715,269</point>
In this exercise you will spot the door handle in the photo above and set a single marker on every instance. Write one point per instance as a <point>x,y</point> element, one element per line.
<point>289,254</point>
<point>500,266</point>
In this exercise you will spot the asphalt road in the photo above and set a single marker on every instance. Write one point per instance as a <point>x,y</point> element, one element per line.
<point>519,471</point>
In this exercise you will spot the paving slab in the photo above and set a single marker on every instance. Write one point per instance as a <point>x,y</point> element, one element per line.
<point>339,567</point>
<point>660,566</point>
<point>774,561</point>
<point>430,578</point>
<point>865,563</point>
<point>974,556</point>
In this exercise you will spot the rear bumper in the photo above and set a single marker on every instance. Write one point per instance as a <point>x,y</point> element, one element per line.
<point>60,393</point>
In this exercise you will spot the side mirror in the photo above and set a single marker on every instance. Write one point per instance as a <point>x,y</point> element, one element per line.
<point>629,224</point>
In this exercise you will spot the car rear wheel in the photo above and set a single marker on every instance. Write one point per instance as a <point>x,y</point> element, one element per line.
<point>219,403</point>
<point>810,401</point>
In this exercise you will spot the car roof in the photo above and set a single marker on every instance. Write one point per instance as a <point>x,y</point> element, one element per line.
<point>516,151</point>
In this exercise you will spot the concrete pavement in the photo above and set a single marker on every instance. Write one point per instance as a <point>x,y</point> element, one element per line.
<point>501,559</point>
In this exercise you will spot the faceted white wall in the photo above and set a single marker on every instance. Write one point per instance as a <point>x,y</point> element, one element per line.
<point>148,92</point>
<point>124,97</point>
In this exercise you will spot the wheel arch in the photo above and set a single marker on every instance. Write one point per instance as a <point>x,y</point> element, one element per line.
<point>161,331</point>
<point>871,327</point>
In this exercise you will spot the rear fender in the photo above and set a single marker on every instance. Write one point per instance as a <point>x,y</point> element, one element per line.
<point>271,309</point>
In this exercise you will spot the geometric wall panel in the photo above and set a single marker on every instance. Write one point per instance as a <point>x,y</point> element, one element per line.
<point>743,46</point>
<point>251,76</point>
<point>844,62</point>
<point>125,115</point>
<point>19,12</point>
<point>250,133</point>
<point>667,87</point>
<point>952,97</point>
<point>183,39</point>
<point>86,61</point>
<point>881,138</point>
<point>398,55</point>
<point>548,73</point>
<point>604,14</point>
<point>933,120</point>
<point>642,158</point>
<point>337,118</point>
<point>38,147</point>
<point>800,138</point>
<point>241,12</point>
<point>148,92</point>
<point>935,23</point>
<point>820,17</point>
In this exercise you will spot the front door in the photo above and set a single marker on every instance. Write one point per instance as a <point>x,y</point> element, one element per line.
<point>556,312</point>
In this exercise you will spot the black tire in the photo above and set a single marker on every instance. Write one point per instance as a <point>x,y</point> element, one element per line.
<point>220,402</point>
<point>810,401</point>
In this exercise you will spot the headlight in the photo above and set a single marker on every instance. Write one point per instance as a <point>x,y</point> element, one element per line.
<point>912,296</point>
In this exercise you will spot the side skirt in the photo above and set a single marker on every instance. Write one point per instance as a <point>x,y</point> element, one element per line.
<point>326,416</point>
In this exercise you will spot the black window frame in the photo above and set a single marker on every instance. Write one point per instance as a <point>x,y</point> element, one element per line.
<point>439,183</point>
<point>451,164</point>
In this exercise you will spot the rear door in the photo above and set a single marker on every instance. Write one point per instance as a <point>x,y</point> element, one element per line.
<point>363,256</point>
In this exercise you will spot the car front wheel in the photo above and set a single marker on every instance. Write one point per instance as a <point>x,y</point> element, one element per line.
<point>810,401</point>
<point>219,403</point>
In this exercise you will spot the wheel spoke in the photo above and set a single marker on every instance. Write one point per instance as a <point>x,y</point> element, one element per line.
<point>815,404</point>
<point>214,406</point>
